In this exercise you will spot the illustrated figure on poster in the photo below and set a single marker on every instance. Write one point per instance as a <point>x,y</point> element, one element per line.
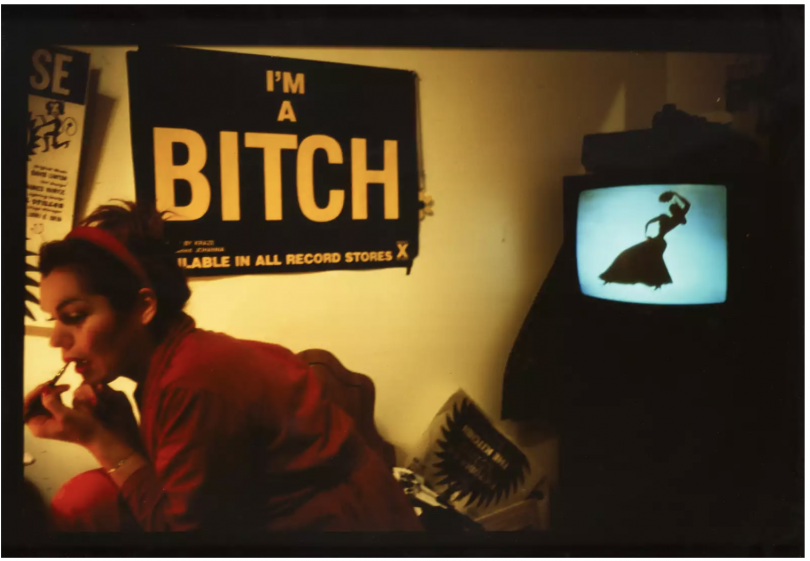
<point>59,126</point>
<point>644,262</point>
<point>56,109</point>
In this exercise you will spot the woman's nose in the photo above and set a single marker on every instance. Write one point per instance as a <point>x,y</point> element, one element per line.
<point>59,338</point>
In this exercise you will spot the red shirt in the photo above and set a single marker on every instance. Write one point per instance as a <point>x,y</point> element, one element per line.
<point>240,438</point>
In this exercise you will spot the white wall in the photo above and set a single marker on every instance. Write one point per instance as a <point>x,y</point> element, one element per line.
<point>499,131</point>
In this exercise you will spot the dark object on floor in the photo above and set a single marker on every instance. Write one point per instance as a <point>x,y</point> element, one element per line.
<point>445,520</point>
<point>33,510</point>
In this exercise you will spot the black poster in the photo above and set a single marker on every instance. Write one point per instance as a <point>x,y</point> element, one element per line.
<point>271,165</point>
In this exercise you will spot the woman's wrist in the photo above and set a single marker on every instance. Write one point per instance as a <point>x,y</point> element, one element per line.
<point>107,447</point>
<point>115,455</point>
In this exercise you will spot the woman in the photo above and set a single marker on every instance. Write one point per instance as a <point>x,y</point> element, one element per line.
<point>234,435</point>
<point>644,262</point>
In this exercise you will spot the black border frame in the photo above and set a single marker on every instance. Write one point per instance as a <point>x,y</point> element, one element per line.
<point>743,29</point>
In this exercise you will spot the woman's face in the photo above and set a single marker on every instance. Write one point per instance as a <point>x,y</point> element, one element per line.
<point>98,339</point>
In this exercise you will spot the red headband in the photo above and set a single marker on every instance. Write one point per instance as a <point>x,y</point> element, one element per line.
<point>110,243</point>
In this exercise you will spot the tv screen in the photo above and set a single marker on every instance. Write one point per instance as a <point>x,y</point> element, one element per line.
<point>653,244</point>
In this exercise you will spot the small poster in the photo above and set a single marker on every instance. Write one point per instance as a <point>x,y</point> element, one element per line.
<point>276,165</point>
<point>471,464</point>
<point>57,95</point>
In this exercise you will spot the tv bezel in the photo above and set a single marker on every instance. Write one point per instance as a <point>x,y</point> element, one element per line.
<point>736,234</point>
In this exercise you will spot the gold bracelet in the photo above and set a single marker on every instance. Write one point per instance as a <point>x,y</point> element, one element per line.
<point>121,463</point>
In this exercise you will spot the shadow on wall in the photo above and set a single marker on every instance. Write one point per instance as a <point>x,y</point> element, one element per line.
<point>99,114</point>
<point>592,92</point>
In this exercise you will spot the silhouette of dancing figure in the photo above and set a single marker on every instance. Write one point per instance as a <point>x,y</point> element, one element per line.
<point>644,262</point>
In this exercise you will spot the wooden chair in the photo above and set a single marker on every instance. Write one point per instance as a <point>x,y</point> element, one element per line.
<point>352,392</point>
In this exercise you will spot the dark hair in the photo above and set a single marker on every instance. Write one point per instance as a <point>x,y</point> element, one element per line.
<point>140,229</point>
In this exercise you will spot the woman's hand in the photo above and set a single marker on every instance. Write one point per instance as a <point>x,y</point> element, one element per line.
<point>81,424</point>
<point>114,410</point>
<point>77,425</point>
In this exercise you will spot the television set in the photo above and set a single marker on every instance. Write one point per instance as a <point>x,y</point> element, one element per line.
<point>652,241</point>
<point>603,326</point>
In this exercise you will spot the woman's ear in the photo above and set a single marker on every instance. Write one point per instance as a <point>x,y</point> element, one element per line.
<point>148,305</point>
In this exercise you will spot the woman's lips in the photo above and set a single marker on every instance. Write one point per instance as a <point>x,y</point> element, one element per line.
<point>81,366</point>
